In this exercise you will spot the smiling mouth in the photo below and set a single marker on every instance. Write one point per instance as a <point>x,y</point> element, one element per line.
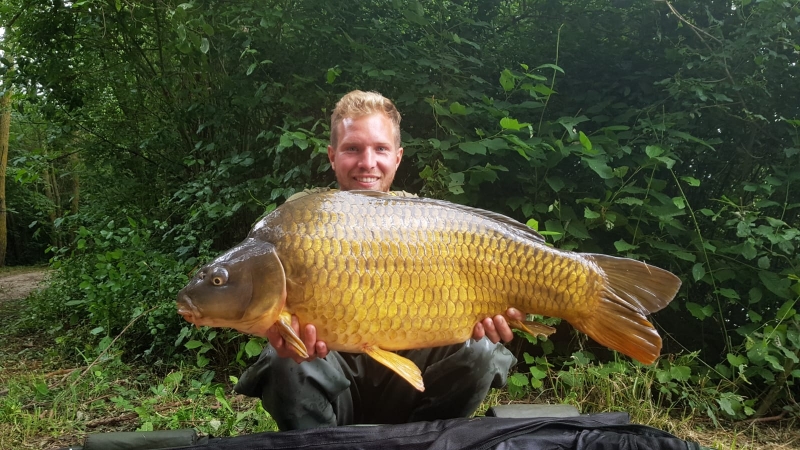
<point>366,179</point>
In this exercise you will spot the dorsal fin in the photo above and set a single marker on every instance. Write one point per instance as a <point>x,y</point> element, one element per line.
<point>505,220</point>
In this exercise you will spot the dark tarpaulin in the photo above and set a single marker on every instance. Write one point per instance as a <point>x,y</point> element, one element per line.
<point>595,431</point>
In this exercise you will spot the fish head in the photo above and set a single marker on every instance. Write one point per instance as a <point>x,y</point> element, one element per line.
<point>244,289</point>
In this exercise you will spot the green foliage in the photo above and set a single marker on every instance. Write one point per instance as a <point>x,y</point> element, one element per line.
<point>131,397</point>
<point>520,384</point>
<point>110,280</point>
<point>670,388</point>
<point>206,339</point>
<point>191,396</point>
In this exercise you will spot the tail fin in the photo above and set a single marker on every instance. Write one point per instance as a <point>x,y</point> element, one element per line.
<point>633,289</point>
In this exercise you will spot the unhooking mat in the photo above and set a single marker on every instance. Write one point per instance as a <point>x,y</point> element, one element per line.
<point>595,431</point>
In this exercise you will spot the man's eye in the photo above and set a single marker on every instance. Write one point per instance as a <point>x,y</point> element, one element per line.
<point>383,149</point>
<point>351,149</point>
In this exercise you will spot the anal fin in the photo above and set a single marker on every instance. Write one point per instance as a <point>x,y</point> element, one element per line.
<point>401,366</point>
<point>531,327</point>
<point>287,333</point>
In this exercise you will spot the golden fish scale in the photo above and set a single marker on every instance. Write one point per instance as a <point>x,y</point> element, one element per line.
<point>402,275</point>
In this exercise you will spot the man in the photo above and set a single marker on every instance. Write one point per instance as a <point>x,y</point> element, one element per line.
<point>332,388</point>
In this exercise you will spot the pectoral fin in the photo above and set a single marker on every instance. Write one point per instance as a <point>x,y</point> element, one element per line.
<point>531,327</point>
<point>401,366</point>
<point>287,333</point>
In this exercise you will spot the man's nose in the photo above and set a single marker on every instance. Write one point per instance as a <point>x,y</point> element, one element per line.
<point>367,159</point>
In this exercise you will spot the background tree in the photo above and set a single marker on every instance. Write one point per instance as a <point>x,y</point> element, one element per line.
<point>5,126</point>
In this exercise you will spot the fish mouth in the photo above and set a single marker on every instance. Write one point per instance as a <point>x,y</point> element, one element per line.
<point>187,309</point>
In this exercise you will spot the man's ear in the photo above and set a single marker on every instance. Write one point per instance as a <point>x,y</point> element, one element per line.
<point>332,154</point>
<point>399,157</point>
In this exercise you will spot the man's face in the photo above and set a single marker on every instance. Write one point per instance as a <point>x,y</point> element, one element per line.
<point>366,156</point>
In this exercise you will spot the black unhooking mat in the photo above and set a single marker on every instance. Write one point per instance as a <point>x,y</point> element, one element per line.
<point>595,431</point>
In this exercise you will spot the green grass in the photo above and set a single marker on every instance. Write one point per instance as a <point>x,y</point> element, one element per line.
<point>47,400</point>
<point>40,407</point>
<point>633,388</point>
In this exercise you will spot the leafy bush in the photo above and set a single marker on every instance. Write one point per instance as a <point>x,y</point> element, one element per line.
<point>114,277</point>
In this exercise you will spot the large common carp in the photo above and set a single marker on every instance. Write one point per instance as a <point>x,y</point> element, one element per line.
<point>375,272</point>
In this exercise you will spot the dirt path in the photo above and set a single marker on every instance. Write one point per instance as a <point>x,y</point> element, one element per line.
<point>18,284</point>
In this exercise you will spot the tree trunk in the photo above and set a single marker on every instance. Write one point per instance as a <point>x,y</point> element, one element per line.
<point>51,192</point>
<point>5,127</point>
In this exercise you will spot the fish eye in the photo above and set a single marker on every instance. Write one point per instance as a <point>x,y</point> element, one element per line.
<point>219,276</point>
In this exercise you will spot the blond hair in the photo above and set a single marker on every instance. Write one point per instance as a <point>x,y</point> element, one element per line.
<point>356,104</point>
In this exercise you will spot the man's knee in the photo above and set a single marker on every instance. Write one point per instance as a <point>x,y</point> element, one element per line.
<point>298,396</point>
<point>489,363</point>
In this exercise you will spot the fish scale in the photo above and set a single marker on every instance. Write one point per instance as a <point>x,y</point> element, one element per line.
<point>442,253</point>
<point>375,273</point>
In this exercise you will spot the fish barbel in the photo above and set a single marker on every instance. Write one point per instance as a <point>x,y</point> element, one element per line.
<point>375,273</point>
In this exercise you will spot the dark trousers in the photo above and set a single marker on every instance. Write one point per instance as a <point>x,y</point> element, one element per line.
<point>352,388</point>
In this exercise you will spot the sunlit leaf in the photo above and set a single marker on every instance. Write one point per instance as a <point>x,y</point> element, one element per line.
<point>193,344</point>
<point>551,66</point>
<point>518,379</point>
<point>623,246</point>
<point>253,347</point>
<point>587,144</point>
<point>508,123</point>
<point>736,360</point>
<point>589,214</point>
<point>653,151</point>
<point>725,405</point>
<point>680,373</point>
<point>507,81</point>
<point>458,109</point>
<point>630,201</point>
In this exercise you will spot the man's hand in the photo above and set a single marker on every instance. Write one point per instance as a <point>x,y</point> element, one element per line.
<point>315,348</point>
<point>496,328</point>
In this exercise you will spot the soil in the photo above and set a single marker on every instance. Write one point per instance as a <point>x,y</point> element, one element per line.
<point>19,284</point>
